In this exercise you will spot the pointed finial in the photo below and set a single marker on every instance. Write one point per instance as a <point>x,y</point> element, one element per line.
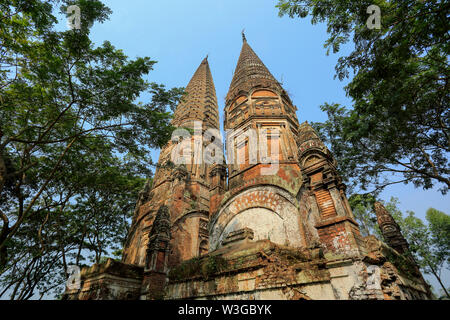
<point>243,36</point>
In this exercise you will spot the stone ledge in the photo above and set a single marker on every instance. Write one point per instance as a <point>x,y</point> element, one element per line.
<point>335,220</point>
<point>239,235</point>
<point>113,267</point>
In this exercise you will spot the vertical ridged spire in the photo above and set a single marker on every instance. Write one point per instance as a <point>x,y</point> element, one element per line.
<point>250,72</point>
<point>390,229</point>
<point>308,136</point>
<point>200,102</point>
<point>308,140</point>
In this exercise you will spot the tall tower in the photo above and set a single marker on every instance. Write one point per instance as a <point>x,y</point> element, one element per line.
<point>270,172</point>
<point>170,222</point>
<point>263,174</point>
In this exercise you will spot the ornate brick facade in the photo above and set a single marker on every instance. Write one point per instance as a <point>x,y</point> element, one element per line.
<point>277,228</point>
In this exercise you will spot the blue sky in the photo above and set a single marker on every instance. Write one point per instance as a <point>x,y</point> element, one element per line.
<point>179,34</point>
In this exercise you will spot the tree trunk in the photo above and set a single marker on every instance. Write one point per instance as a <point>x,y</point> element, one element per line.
<point>4,250</point>
<point>439,280</point>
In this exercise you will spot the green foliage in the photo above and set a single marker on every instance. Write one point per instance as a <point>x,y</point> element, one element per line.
<point>439,225</point>
<point>398,127</point>
<point>198,267</point>
<point>213,265</point>
<point>74,143</point>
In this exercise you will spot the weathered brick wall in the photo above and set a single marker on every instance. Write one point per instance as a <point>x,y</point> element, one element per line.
<point>263,270</point>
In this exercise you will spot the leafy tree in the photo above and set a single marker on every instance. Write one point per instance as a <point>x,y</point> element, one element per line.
<point>398,127</point>
<point>74,142</point>
<point>440,232</point>
<point>79,220</point>
<point>439,227</point>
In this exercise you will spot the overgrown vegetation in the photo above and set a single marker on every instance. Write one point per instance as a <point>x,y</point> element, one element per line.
<point>198,267</point>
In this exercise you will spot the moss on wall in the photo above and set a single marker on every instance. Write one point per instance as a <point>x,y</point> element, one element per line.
<point>197,267</point>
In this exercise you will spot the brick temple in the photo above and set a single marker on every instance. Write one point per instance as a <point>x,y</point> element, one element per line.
<point>242,229</point>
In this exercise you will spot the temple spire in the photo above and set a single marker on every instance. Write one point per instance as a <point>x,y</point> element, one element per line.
<point>390,229</point>
<point>244,39</point>
<point>250,72</point>
<point>200,102</point>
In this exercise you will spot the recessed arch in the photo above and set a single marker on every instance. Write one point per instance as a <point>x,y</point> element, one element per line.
<point>256,208</point>
<point>265,223</point>
<point>242,98</point>
<point>203,247</point>
<point>312,159</point>
<point>264,93</point>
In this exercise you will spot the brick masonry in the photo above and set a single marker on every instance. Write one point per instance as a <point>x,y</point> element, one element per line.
<point>190,234</point>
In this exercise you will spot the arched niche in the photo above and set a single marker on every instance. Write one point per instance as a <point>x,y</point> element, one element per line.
<point>265,224</point>
<point>269,211</point>
<point>311,160</point>
<point>186,240</point>
<point>264,93</point>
